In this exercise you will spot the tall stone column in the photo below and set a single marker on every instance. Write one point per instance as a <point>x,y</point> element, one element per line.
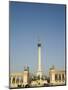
<point>39,73</point>
<point>39,57</point>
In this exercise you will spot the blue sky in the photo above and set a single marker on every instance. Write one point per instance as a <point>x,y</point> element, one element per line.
<point>30,22</point>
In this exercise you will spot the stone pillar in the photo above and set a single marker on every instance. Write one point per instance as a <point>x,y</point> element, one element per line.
<point>39,73</point>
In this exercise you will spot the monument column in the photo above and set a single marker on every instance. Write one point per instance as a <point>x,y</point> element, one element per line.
<point>39,73</point>
<point>39,57</point>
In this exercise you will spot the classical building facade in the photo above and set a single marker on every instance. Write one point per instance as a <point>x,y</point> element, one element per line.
<point>57,77</point>
<point>16,80</point>
<point>19,79</point>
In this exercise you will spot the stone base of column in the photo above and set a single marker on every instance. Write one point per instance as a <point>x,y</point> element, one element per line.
<point>39,74</point>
